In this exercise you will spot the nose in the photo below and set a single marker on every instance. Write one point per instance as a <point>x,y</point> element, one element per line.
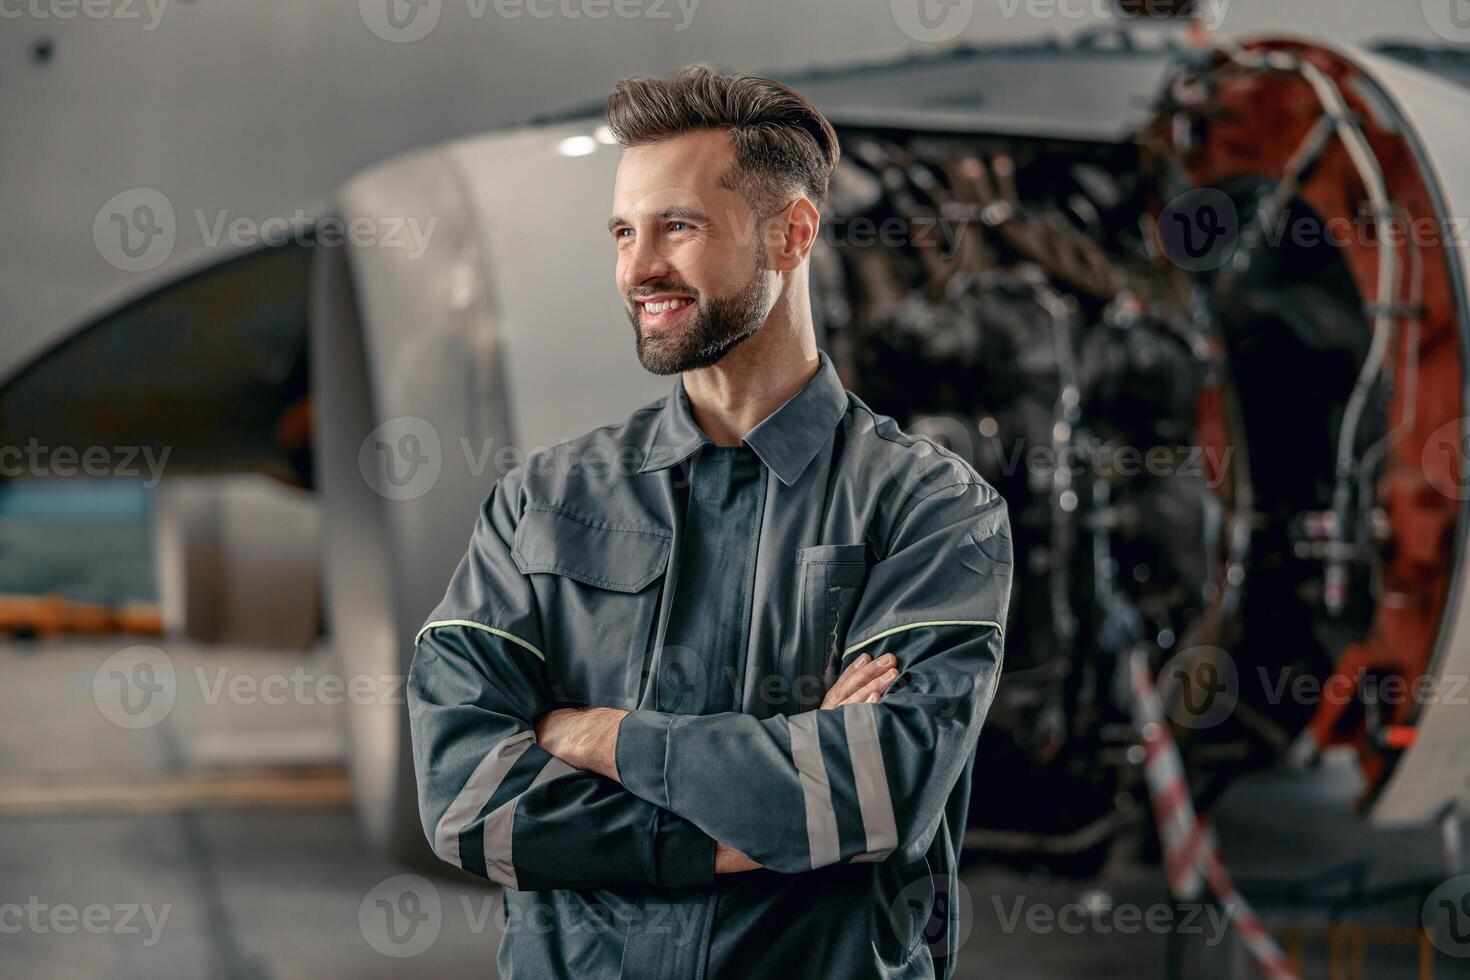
<point>643,262</point>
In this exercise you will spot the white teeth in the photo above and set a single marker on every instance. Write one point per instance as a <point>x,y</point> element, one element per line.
<point>665,306</point>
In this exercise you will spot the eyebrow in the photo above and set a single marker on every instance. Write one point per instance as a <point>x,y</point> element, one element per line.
<point>687,214</point>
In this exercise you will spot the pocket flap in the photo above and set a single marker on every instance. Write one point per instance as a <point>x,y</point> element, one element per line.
<point>621,557</point>
<point>833,553</point>
<point>847,563</point>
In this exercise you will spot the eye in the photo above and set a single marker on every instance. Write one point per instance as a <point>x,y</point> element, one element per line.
<point>680,226</point>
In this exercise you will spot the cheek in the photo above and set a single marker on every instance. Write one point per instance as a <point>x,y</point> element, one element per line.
<point>701,266</point>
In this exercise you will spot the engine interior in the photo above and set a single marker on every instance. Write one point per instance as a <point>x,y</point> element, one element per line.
<point>1205,412</point>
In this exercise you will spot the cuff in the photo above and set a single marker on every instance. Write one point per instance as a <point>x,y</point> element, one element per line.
<point>643,743</point>
<point>684,854</point>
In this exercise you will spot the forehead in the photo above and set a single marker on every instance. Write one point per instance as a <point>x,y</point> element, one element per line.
<point>686,170</point>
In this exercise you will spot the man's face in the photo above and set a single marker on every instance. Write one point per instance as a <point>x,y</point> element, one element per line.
<point>691,260</point>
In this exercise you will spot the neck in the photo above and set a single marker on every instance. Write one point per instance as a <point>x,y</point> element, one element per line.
<point>730,398</point>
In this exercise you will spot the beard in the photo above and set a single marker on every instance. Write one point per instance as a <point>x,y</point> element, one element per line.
<point>717,326</point>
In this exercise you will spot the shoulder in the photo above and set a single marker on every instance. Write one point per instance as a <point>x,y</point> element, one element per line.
<point>907,471</point>
<point>589,472</point>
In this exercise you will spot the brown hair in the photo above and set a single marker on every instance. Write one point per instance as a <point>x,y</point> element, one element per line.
<point>779,137</point>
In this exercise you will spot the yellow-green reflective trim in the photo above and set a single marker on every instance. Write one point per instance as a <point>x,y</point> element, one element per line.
<point>479,626</point>
<point>914,626</point>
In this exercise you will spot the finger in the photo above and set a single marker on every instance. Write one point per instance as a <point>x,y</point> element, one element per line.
<point>852,677</point>
<point>878,685</point>
<point>876,667</point>
<point>857,674</point>
<point>847,679</point>
<point>873,688</point>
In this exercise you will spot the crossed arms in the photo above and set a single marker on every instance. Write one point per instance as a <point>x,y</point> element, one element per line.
<point>515,790</point>
<point>587,738</point>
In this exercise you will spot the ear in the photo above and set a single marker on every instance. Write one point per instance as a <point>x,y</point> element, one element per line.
<point>790,235</point>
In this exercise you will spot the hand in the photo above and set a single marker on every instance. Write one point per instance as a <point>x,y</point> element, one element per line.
<point>863,681</point>
<point>584,738</point>
<point>728,860</point>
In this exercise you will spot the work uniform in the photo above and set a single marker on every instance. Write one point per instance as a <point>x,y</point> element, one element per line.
<point>717,592</point>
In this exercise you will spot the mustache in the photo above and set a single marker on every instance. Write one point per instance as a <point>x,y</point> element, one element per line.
<point>681,290</point>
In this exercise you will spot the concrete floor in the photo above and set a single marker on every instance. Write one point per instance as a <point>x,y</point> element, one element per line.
<point>250,893</point>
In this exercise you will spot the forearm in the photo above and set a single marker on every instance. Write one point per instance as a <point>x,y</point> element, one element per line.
<point>805,791</point>
<point>586,739</point>
<point>500,806</point>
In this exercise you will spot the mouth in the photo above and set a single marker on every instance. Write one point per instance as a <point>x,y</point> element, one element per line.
<point>661,310</point>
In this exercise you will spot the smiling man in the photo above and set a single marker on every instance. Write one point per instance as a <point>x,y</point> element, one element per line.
<point>705,700</point>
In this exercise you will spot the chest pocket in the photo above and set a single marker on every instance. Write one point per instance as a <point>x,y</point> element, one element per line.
<point>597,585</point>
<point>831,578</point>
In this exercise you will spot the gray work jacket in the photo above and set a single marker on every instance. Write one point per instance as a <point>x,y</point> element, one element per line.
<point>871,540</point>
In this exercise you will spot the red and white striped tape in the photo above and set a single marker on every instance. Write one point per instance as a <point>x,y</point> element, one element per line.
<point>1191,850</point>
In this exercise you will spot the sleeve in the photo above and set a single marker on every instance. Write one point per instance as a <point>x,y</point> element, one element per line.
<point>856,783</point>
<point>492,801</point>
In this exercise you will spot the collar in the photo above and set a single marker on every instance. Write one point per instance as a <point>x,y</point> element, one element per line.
<point>786,440</point>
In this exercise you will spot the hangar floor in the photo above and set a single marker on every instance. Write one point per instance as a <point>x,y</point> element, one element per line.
<point>220,843</point>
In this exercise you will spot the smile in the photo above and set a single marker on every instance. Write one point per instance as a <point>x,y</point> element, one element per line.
<point>664,309</point>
